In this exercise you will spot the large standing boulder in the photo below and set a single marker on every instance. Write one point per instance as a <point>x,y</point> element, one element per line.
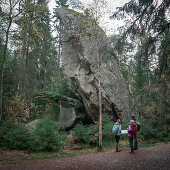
<point>85,57</point>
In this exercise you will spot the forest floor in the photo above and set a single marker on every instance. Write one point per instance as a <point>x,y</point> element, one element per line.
<point>146,158</point>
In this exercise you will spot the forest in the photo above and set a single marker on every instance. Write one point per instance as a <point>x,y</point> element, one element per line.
<point>35,90</point>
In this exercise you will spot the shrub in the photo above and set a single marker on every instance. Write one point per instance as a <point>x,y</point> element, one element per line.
<point>90,134</point>
<point>107,125</point>
<point>48,136</point>
<point>15,136</point>
<point>15,109</point>
<point>148,129</point>
<point>81,134</point>
<point>5,128</point>
<point>94,134</point>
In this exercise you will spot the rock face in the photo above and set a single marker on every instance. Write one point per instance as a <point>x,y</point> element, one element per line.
<point>85,57</point>
<point>32,125</point>
<point>67,117</point>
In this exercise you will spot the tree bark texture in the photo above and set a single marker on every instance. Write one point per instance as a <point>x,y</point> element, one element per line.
<point>3,65</point>
<point>100,113</point>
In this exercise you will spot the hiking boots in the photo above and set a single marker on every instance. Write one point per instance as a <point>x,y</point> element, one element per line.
<point>118,150</point>
<point>131,152</point>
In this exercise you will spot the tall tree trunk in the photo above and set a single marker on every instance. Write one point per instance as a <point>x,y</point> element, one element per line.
<point>141,97</point>
<point>26,71</point>
<point>141,88</point>
<point>165,106</point>
<point>25,75</point>
<point>3,66</point>
<point>120,59</point>
<point>59,54</point>
<point>59,48</point>
<point>149,78</point>
<point>100,113</point>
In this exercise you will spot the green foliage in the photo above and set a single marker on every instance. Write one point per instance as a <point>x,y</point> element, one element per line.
<point>15,109</point>
<point>150,129</point>
<point>107,125</point>
<point>76,4</point>
<point>10,78</point>
<point>153,128</point>
<point>147,131</point>
<point>48,102</point>
<point>44,106</point>
<point>48,135</point>
<point>94,133</point>
<point>45,137</point>
<point>124,124</point>
<point>147,27</point>
<point>15,136</point>
<point>64,87</point>
<point>81,134</point>
<point>5,127</point>
<point>107,135</point>
<point>62,3</point>
<point>89,134</point>
<point>31,61</point>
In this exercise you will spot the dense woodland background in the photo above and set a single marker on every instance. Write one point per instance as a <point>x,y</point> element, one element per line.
<point>31,63</point>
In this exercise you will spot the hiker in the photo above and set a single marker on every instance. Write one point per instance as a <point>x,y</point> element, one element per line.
<point>131,132</point>
<point>117,132</point>
<point>135,141</point>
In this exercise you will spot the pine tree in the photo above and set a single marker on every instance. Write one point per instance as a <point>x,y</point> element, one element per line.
<point>46,51</point>
<point>35,45</point>
<point>8,13</point>
<point>147,27</point>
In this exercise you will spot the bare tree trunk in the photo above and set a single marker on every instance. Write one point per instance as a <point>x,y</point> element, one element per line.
<point>149,78</point>
<point>10,17</point>
<point>3,66</point>
<point>141,96</point>
<point>59,48</point>
<point>120,58</point>
<point>100,113</point>
<point>25,73</point>
<point>59,54</point>
<point>165,106</point>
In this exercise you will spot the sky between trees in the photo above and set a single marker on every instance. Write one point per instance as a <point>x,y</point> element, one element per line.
<point>110,26</point>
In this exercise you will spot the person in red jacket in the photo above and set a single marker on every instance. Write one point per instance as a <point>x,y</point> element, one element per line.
<point>132,131</point>
<point>135,141</point>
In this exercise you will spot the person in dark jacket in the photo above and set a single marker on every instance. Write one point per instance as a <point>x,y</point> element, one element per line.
<point>131,132</point>
<point>117,134</point>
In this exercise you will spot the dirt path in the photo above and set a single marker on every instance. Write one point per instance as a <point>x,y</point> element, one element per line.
<point>156,158</point>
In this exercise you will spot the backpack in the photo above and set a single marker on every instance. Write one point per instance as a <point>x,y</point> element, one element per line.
<point>138,126</point>
<point>115,129</point>
<point>132,129</point>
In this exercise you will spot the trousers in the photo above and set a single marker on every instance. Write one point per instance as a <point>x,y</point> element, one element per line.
<point>135,142</point>
<point>117,141</point>
<point>131,143</point>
